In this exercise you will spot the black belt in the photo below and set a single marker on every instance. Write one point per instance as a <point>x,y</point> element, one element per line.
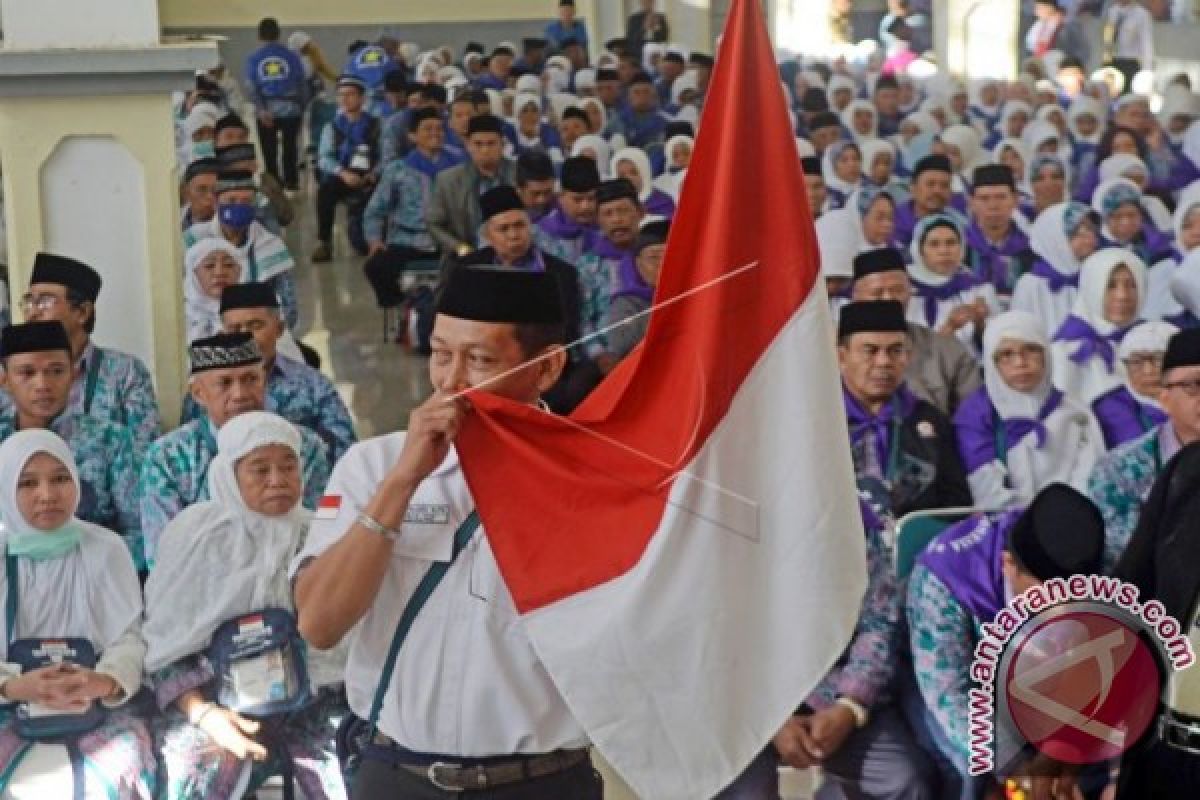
<point>454,774</point>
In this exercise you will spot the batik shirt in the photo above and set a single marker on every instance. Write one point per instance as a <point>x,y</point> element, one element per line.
<point>1120,483</point>
<point>395,214</point>
<point>598,271</point>
<point>174,474</point>
<point>304,397</point>
<point>867,664</point>
<point>115,387</point>
<point>108,469</point>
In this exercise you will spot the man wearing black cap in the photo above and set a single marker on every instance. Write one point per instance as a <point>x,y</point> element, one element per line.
<point>941,370</point>
<point>295,391</point>
<point>570,229</point>
<point>533,55</point>
<point>275,76</point>
<point>963,579</point>
<point>641,122</point>
<point>609,90</point>
<point>227,379</point>
<point>395,503</point>
<point>274,208</point>
<point>997,250</point>
<point>37,375</point>
<point>931,194</point>
<point>453,214</point>
<point>499,69</point>
<point>905,454</point>
<point>619,213</point>
<point>635,292</point>
<point>267,257</point>
<point>1122,479</point>
<point>814,185</point>
<point>348,164</point>
<point>670,68</point>
<point>573,124</point>
<point>535,183</point>
<point>199,192</point>
<point>567,26</point>
<point>824,128</point>
<point>508,234</point>
<point>108,384</point>
<point>887,105</point>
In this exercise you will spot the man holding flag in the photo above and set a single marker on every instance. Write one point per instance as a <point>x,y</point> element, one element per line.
<point>643,556</point>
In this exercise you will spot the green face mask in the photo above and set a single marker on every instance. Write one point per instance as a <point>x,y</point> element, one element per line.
<point>44,546</point>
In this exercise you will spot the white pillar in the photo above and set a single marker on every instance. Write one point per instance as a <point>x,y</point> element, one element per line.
<point>88,146</point>
<point>977,38</point>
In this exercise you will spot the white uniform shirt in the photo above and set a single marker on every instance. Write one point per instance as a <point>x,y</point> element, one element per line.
<point>467,681</point>
<point>1135,33</point>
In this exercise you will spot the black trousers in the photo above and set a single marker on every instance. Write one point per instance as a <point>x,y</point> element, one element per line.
<point>383,271</point>
<point>289,129</point>
<point>1127,67</point>
<point>331,192</point>
<point>379,781</point>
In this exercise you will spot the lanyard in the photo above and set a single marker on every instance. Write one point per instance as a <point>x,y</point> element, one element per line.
<point>93,378</point>
<point>893,444</point>
<point>1000,437</point>
<point>10,601</point>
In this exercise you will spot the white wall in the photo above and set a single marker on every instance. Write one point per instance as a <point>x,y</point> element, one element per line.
<point>33,24</point>
<point>94,186</point>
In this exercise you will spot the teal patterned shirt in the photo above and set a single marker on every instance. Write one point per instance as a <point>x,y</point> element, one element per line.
<point>942,639</point>
<point>304,397</point>
<point>1119,484</point>
<point>395,215</point>
<point>115,387</point>
<point>597,283</point>
<point>108,468</point>
<point>175,475</point>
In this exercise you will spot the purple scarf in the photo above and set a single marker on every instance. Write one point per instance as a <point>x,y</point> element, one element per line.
<point>1054,279</point>
<point>604,249</point>
<point>1123,417</point>
<point>933,295</point>
<point>993,263</point>
<point>559,226</point>
<point>1091,343</point>
<point>660,204</point>
<point>905,223</point>
<point>978,439</point>
<point>861,420</point>
<point>968,557</point>
<point>630,283</point>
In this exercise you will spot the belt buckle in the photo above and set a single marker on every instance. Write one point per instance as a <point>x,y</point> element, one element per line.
<point>432,774</point>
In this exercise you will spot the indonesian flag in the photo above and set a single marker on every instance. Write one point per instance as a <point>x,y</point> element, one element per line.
<point>686,549</point>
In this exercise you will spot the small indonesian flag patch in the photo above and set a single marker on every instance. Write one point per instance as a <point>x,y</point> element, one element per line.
<point>329,506</point>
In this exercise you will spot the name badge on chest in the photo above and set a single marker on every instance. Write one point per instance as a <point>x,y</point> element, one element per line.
<point>427,514</point>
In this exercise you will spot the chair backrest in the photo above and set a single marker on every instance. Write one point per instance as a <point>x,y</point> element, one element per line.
<point>915,531</point>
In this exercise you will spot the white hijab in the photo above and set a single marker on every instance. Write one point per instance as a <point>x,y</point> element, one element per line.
<point>1191,142</point>
<point>838,83</point>
<point>1050,238</point>
<point>1146,337</point>
<point>1103,190</point>
<point>641,162</point>
<point>966,140</point>
<point>847,116</point>
<point>204,312</point>
<point>91,592</point>
<point>226,559</point>
<point>1020,326</point>
<point>1084,105</point>
<point>1189,201</point>
<point>829,168</point>
<point>1185,282</point>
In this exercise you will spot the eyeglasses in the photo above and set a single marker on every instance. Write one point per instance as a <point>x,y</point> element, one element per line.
<point>1026,352</point>
<point>1149,361</point>
<point>1190,388</point>
<point>41,302</point>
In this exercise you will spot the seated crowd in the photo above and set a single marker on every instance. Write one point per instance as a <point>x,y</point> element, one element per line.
<point>1014,273</point>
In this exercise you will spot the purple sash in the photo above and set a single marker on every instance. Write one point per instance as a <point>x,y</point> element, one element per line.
<point>980,441</point>
<point>894,412</point>
<point>629,281</point>
<point>933,295</point>
<point>993,263</point>
<point>1091,344</point>
<point>1123,417</point>
<point>1055,280</point>
<point>968,557</point>
<point>660,204</point>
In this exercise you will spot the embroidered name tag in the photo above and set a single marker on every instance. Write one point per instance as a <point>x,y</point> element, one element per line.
<point>427,514</point>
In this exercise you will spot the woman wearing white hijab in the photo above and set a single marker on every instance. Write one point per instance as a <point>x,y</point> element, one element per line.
<point>1013,119</point>
<point>1132,409</point>
<point>987,98</point>
<point>73,581</point>
<point>1112,291</point>
<point>1062,236</point>
<point>678,155</point>
<point>211,265</point>
<point>228,559</point>
<point>595,148</point>
<point>1164,292</point>
<point>1017,434</point>
<point>879,168</point>
<point>841,92</point>
<point>841,166</point>
<point>861,119</point>
<point>632,164</point>
<point>947,297</point>
<point>1125,221</point>
<point>962,147</point>
<point>1133,168</point>
<point>1185,290</point>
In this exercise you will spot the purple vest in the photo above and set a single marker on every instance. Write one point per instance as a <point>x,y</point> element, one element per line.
<point>967,558</point>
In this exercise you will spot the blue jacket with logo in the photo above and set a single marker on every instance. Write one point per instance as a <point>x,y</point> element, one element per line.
<point>275,80</point>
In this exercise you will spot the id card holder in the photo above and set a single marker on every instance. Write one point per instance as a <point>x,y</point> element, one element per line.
<point>260,664</point>
<point>38,722</point>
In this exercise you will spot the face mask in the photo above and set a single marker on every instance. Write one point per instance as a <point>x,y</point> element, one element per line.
<point>236,215</point>
<point>44,546</point>
<point>203,150</point>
